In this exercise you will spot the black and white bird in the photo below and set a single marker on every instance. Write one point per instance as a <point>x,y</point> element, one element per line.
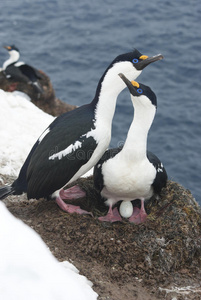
<point>131,172</point>
<point>19,71</point>
<point>76,140</point>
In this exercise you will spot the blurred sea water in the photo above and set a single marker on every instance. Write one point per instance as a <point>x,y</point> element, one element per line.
<point>74,42</point>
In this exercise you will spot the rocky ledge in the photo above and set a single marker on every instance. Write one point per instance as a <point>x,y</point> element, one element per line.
<point>160,259</point>
<point>46,101</point>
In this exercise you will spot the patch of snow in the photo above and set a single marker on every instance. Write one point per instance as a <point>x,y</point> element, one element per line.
<point>28,270</point>
<point>21,123</point>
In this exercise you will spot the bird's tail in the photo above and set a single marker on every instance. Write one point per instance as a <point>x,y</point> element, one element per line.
<point>38,87</point>
<point>6,191</point>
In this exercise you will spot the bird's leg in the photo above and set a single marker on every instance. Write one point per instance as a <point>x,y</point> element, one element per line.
<point>71,208</point>
<point>73,192</point>
<point>112,215</point>
<point>138,215</point>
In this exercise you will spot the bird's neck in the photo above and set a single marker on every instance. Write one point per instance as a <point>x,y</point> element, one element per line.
<point>109,87</point>
<point>135,147</point>
<point>14,56</point>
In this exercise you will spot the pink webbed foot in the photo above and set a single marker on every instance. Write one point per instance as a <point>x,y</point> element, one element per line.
<point>112,216</point>
<point>73,192</point>
<point>139,215</point>
<point>71,208</point>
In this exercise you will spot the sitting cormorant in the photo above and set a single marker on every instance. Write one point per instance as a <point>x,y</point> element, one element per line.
<point>131,172</point>
<point>19,71</point>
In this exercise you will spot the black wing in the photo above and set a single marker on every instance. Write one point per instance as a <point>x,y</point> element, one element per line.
<point>30,72</point>
<point>15,73</point>
<point>97,174</point>
<point>44,175</point>
<point>161,174</point>
<point>20,184</point>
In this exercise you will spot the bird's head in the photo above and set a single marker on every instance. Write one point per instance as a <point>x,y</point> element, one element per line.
<point>13,52</point>
<point>12,49</point>
<point>130,64</point>
<point>139,91</point>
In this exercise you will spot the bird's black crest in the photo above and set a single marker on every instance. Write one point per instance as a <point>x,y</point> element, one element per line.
<point>128,56</point>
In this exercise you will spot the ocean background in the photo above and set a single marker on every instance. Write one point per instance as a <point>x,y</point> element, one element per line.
<point>73,42</point>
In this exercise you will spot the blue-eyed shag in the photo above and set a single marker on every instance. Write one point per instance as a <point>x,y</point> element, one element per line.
<point>131,172</point>
<point>19,71</point>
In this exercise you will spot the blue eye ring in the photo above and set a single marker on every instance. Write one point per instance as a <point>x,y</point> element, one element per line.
<point>135,60</point>
<point>140,91</point>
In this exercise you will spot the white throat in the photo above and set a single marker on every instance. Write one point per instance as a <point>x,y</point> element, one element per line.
<point>14,56</point>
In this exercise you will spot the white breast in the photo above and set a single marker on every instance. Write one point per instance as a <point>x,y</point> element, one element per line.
<point>124,181</point>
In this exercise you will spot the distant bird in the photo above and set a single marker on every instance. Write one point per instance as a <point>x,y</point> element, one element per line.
<point>132,172</point>
<point>76,140</point>
<point>20,71</point>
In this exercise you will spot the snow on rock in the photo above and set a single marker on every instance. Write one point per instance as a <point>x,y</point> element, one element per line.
<point>21,123</point>
<point>28,270</point>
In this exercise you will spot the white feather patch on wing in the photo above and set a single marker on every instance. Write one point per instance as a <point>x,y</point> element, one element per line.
<point>19,63</point>
<point>66,151</point>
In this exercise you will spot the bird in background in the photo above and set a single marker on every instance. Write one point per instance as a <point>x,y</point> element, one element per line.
<point>19,71</point>
<point>132,172</point>
<point>75,141</point>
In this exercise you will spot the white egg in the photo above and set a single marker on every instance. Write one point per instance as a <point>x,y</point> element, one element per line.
<point>126,209</point>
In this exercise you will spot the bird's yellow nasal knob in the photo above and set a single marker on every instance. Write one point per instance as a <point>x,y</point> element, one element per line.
<point>135,84</point>
<point>143,57</point>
